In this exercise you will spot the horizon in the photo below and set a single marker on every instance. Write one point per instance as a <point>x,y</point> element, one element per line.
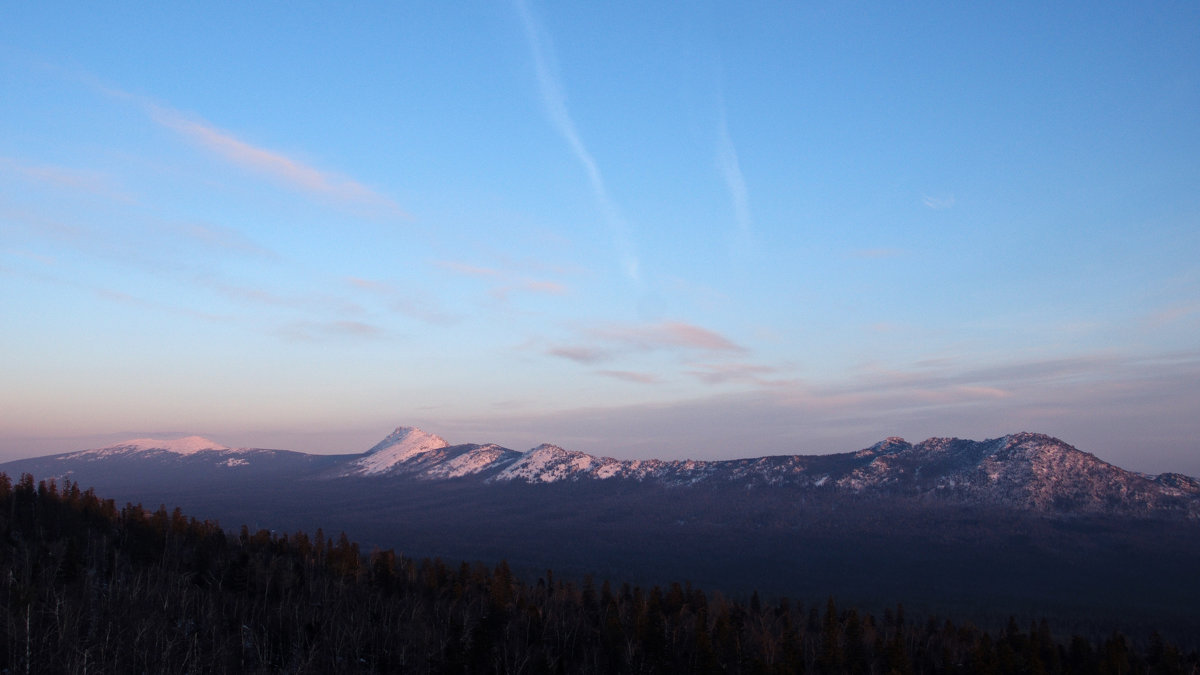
<point>711,230</point>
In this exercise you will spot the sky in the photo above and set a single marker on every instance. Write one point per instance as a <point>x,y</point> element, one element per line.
<point>633,229</point>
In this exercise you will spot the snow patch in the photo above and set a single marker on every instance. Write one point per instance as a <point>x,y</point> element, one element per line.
<point>471,462</point>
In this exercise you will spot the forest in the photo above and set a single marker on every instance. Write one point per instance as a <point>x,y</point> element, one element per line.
<point>88,586</point>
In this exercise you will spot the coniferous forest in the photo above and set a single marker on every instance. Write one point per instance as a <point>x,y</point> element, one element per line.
<point>90,587</point>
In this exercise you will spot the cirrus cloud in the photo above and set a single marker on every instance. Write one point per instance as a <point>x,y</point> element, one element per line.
<point>273,164</point>
<point>665,335</point>
<point>607,342</point>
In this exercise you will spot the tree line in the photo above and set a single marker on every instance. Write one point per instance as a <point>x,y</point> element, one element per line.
<point>89,587</point>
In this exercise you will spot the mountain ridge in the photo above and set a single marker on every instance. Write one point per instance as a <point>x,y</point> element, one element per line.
<point>1026,470</point>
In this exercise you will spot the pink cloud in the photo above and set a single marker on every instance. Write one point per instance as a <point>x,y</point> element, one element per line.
<point>580,354</point>
<point>409,302</point>
<point>666,334</point>
<point>630,376</point>
<point>1173,313</point>
<point>259,296</point>
<point>274,164</point>
<point>91,182</point>
<point>310,331</point>
<point>370,285</point>
<point>542,287</point>
<point>509,282</point>
<point>605,343</point>
<point>220,237</point>
<point>548,287</point>
<point>720,373</point>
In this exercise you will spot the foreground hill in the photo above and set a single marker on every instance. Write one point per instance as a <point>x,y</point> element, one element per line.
<point>1024,524</point>
<point>90,588</point>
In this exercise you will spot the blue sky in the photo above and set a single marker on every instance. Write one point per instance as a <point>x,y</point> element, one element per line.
<point>632,229</point>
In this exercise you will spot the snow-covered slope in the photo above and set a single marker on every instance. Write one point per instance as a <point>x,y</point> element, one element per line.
<point>549,463</point>
<point>178,446</point>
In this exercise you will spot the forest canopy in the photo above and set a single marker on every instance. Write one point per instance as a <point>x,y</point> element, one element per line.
<point>89,586</point>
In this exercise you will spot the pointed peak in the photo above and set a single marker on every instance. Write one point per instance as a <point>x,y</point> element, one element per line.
<point>409,436</point>
<point>400,446</point>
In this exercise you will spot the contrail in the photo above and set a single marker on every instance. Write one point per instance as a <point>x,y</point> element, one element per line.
<point>556,107</point>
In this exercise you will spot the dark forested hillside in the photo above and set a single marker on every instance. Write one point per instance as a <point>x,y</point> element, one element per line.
<point>88,587</point>
<point>1024,524</point>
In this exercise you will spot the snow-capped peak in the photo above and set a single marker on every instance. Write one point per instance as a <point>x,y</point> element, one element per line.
<point>180,446</point>
<point>400,446</point>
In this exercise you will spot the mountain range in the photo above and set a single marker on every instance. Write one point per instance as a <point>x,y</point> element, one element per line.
<point>1024,470</point>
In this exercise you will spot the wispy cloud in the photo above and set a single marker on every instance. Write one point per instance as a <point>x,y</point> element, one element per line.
<point>52,274</point>
<point>953,380</point>
<point>1172,314</point>
<point>30,255</point>
<point>630,376</point>
<point>369,285</point>
<point>91,241</point>
<point>555,103</point>
<point>75,180</point>
<point>607,342</point>
<point>219,237</point>
<point>731,171</point>
<point>746,373</point>
<point>665,335</point>
<point>144,240</point>
<point>305,302</point>
<point>412,303</point>
<point>548,287</point>
<point>313,331</point>
<point>505,283</point>
<point>501,293</point>
<point>273,164</point>
<point>938,202</point>
<point>580,354</point>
